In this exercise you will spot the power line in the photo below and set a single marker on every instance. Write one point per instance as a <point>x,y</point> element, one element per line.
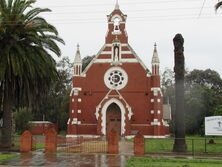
<point>201,8</point>
<point>125,4</point>
<point>136,19</point>
<point>128,11</point>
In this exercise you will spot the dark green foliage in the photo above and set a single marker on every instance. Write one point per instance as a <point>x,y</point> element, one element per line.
<point>218,111</point>
<point>86,60</point>
<point>218,5</point>
<point>27,68</point>
<point>22,117</point>
<point>206,78</point>
<point>203,97</point>
<point>54,106</point>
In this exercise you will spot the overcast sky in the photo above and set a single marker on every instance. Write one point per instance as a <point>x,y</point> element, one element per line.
<point>148,21</point>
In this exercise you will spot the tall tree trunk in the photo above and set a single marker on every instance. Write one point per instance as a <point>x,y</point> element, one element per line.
<point>179,143</point>
<point>7,117</point>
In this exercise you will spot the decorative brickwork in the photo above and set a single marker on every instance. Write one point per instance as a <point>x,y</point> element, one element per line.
<point>116,77</point>
<point>51,141</point>
<point>139,144</point>
<point>26,141</point>
<point>113,142</point>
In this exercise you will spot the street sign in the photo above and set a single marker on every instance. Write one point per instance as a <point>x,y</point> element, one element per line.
<point>213,126</point>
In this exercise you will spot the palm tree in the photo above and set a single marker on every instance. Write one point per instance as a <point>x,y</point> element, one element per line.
<point>27,68</point>
<point>218,5</point>
<point>179,143</point>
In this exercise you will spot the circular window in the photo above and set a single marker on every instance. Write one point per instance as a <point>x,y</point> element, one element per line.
<point>115,78</point>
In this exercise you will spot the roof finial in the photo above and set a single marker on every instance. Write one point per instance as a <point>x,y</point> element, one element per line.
<point>155,58</point>
<point>78,46</point>
<point>78,56</point>
<point>155,45</point>
<point>117,4</point>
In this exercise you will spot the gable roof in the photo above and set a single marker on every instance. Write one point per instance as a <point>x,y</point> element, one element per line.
<point>130,48</point>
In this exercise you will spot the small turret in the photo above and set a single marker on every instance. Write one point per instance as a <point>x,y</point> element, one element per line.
<point>77,63</point>
<point>155,62</point>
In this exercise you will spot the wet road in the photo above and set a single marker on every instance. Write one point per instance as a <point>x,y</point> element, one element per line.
<point>66,160</point>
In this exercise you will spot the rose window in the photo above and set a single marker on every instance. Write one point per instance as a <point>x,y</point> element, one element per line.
<point>115,78</point>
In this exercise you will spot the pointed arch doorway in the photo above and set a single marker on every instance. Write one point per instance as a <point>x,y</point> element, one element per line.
<point>113,118</point>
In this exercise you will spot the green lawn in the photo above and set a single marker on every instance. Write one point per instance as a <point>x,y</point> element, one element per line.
<point>37,146</point>
<point>161,162</point>
<point>4,157</point>
<point>193,144</point>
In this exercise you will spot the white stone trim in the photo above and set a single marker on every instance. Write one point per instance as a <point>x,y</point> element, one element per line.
<point>148,74</point>
<point>79,99</point>
<point>158,112</point>
<point>155,123</point>
<point>138,58</point>
<point>110,45</point>
<point>95,58</point>
<point>104,110</point>
<point>165,123</point>
<point>106,52</point>
<point>116,16</point>
<point>74,121</point>
<point>75,89</point>
<point>107,75</point>
<point>86,136</point>
<point>122,60</point>
<point>68,121</point>
<point>73,100</point>
<point>72,111</point>
<point>128,60</point>
<point>158,100</point>
<point>151,100</point>
<point>111,96</point>
<point>103,61</point>
<point>130,112</point>
<point>79,111</point>
<point>125,44</point>
<point>152,112</point>
<point>157,89</point>
<point>79,122</point>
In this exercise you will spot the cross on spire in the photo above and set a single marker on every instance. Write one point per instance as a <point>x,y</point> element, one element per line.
<point>78,46</point>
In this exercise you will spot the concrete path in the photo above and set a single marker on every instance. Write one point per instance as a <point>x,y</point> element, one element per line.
<point>68,160</point>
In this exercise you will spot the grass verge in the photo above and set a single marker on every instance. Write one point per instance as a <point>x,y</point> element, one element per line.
<point>4,157</point>
<point>162,162</point>
<point>197,145</point>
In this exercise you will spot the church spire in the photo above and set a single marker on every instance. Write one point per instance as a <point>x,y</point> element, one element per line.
<point>117,5</point>
<point>77,63</point>
<point>155,61</point>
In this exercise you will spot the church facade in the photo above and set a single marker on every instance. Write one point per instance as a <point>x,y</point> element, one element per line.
<point>116,90</point>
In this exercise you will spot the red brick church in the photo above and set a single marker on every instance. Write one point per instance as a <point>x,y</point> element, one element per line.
<point>116,90</point>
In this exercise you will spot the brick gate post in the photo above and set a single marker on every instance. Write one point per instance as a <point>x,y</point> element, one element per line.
<point>51,140</point>
<point>113,142</point>
<point>26,141</point>
<point>139,144</point>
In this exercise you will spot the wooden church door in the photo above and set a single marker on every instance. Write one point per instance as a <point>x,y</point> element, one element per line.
<point>113,118</point>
